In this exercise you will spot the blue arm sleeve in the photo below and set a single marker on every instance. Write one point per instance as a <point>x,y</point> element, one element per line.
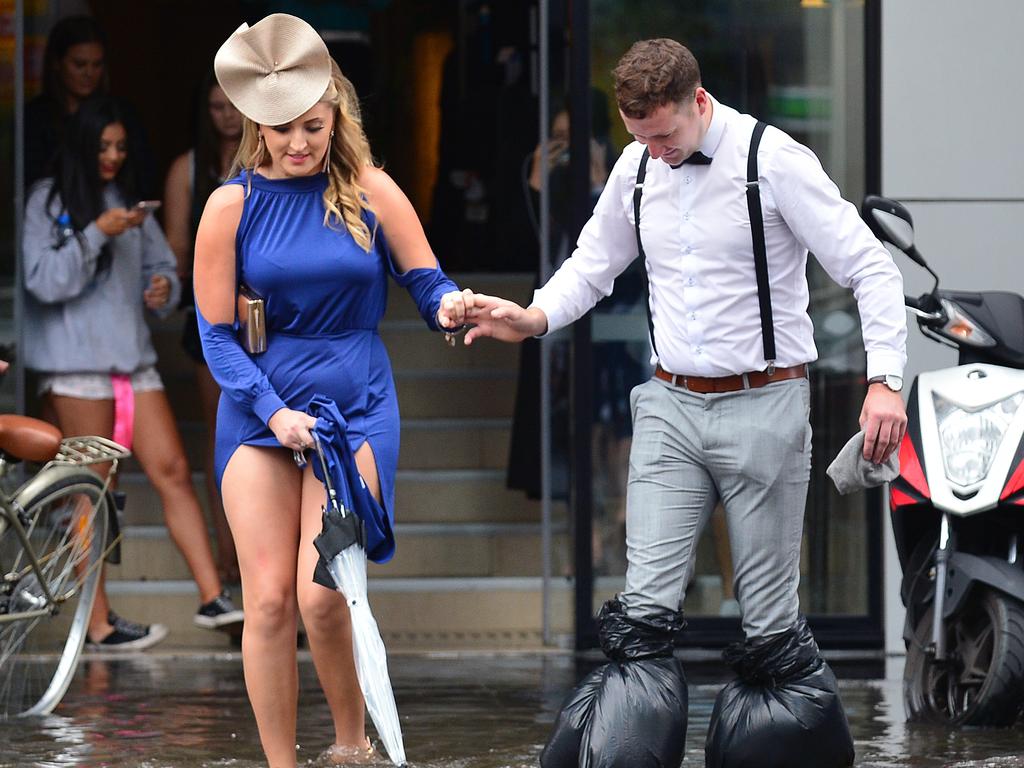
<point>426,286</point>
<point>236,373</point>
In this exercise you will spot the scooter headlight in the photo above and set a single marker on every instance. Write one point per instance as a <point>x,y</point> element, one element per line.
<point>970,439</point>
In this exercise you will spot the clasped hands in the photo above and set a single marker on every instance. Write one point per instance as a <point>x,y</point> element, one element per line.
<point>489,316</point>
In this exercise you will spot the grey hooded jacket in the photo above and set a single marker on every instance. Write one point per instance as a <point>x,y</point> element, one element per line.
<point>77,320</point>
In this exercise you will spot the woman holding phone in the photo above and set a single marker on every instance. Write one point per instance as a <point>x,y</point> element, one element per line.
<point>95,261</point>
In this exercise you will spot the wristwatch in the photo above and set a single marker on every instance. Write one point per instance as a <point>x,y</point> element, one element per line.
<point>891,380</point>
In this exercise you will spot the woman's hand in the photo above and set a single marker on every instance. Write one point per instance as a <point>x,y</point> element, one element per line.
<point>293,429</point>
<point>115,221</point>
<point>454,308</point>
<point>158,292</point>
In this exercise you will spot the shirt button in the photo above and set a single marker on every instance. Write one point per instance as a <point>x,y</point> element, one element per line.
<point>698,350</point>
<point>691,281</point>
<point>686,216</point>
<point>693,315</point>
<point>688,179</point>
<point>688,249</point>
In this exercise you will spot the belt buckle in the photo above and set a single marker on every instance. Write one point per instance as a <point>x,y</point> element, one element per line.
<point>746,380</point>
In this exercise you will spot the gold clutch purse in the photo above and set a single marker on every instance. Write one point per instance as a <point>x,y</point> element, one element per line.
<point>252,320</point>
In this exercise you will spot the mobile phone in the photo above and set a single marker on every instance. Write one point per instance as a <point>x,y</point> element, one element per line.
<point>148,205</point>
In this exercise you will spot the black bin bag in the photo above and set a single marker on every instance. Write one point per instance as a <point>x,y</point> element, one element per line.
<point>631,712</point>
<point>783,711</point>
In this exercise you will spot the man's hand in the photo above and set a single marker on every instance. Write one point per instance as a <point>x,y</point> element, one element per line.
<point>884,421</point>
<point>158,292</point>
<point>503,320</point>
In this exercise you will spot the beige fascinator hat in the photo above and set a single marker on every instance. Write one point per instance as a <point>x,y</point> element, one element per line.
<point>275,70</point>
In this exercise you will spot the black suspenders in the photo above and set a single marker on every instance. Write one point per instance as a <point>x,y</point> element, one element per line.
<point>638,191</point>
<point>764,297</point>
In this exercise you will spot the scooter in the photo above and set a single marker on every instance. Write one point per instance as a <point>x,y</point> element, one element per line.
<point>957,505</point>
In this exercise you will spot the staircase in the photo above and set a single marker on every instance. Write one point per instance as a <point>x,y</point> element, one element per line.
<point>467,571</point>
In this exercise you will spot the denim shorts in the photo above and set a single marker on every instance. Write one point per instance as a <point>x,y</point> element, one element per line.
<point>97,386</point>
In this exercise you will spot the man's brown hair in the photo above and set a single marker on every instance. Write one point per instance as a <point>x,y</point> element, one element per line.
<point>653,73</point>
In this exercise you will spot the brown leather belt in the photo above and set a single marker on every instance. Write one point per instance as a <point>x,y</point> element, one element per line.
<point>707,384</point>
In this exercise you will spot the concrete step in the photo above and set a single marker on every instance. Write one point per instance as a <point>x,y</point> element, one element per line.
<point>425,550</point>
<point>411,613</point>
<point>422,393</point>
<point>422,496</point>
<point>459,443</point>
<point>455,443</point>
<point>410,345</point>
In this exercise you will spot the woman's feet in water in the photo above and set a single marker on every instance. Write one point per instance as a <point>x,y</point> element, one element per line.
<point>347,754</point>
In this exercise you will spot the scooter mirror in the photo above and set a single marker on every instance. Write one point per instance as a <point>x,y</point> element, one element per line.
<point>891,222</point>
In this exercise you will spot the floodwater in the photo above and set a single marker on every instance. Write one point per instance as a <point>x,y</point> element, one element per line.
<point>458,711</point>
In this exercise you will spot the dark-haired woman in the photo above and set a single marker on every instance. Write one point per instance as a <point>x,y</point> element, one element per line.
<point>94,262</point>
<point>74,69</point>
<point>190,180</point>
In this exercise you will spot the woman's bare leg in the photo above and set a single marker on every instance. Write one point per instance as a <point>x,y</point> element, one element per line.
<point>158,447</point>
<point>262,488</point>
<point>227,558</point>
<point>76,416</point>
<point>326,616</point>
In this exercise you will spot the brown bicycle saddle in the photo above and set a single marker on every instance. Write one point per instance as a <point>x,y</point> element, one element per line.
<point>28,439</point>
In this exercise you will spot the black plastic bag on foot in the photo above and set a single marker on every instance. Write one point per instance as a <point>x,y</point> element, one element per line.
<point>783,711</point>
<point>631,712</point>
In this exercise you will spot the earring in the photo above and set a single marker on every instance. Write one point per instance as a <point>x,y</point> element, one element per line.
<point>327,157</point>
<point>259,149</point>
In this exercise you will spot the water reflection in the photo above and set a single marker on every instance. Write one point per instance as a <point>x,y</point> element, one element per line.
<point>167,711</point>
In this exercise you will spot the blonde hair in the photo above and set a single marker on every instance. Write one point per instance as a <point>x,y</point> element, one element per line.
<point>344,199</point>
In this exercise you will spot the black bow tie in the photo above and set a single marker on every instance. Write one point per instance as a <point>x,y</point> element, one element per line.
<point>697,158</point>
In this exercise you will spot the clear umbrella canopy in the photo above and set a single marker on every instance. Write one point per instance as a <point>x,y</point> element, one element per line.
<point>341,548</point>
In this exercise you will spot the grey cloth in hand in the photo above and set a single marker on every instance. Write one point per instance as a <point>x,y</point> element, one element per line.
<point>850,471</point>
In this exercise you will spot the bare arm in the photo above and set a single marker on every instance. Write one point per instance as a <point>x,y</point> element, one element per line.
<point>178,212</point>
<point>398,219</point>
<point>407,240</point>
<point>215,254</point>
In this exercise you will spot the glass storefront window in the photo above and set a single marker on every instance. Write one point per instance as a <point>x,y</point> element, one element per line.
<point>800,67</point>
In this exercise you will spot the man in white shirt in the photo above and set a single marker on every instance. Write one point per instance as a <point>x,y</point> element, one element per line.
<point>722,424</point>
<point>726,415</point>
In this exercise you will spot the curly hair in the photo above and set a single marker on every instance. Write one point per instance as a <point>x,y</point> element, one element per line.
<point>653,73</point>
<point>344,199</point>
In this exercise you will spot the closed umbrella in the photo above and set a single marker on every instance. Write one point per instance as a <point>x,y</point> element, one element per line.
<point>342,548</point>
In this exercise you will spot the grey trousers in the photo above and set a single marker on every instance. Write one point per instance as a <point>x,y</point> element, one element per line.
<point>752,450</point>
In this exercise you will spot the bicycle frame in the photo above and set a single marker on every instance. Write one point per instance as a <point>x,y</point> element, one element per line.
<point>74,452</point>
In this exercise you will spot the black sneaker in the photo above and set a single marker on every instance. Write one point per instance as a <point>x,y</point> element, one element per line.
<point>128,636</point>
<point>125,625</point>
<point>219,612</point>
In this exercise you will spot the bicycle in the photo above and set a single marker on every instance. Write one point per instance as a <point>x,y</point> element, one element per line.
<point>56,530</point>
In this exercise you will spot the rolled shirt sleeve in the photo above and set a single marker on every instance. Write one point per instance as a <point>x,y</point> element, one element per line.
<point>832,229</point>
<point>606,246</point>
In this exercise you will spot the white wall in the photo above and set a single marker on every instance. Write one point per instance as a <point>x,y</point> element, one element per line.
<point>953,151</point>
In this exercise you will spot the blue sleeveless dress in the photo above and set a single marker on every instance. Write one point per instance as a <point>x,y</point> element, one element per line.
<point>325,297</point>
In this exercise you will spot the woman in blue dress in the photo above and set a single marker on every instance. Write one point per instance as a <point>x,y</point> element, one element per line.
<point>315,229</point>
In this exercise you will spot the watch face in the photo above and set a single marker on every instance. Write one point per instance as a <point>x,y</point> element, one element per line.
<point>895,383</point>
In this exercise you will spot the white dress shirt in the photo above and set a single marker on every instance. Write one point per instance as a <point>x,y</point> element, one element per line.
<point>696,235</point>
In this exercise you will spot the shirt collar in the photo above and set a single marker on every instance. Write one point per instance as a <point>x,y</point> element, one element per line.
<point>716,129</point>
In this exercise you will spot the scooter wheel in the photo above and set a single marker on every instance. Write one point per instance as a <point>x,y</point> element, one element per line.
<point>982,681</point>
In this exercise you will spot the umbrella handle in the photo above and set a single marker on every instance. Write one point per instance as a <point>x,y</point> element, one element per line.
<point>331,496</point>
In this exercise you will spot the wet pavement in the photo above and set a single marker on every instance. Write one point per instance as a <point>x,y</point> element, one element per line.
<point>458,711</point>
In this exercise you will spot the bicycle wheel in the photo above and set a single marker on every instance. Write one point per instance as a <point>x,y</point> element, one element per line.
<point>65,518</point>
